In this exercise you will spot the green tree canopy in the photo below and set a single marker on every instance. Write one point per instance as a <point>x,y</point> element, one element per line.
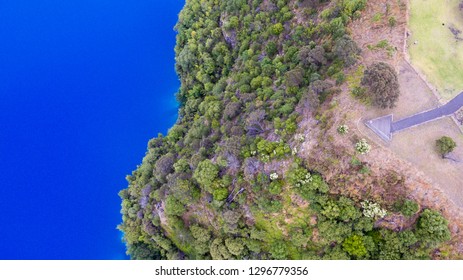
<point>205,174</point>
<point>432,227</point>
<point>445,145</point>
<point>382,83</point>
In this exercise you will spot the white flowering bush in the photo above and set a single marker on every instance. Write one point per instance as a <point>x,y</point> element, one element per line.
<point>264,158</point>
<point>304,179</point>
<point>294,151</point>
<point>343,129</point>
<point>362,147</point>
<point>372,210</point>
<point>273,176</point>
<point>299,137</point>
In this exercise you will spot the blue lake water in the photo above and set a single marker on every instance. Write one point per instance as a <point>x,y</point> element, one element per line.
<point>84,84</point>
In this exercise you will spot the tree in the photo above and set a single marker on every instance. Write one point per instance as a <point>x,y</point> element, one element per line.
<point>234,246</point>
<point>277,29</point>
<point>271,49</point>
<point>333,232</point>
<point>220,194</point>
<point>231,217</point>
<point>174,207</point>
<point>432,228</point>
<point>331,210</point>
<point>407,238</point>
<point>347,50</point>
<point>355,246</point>
<point>200,234</point>
<point>218,250</point>
<point>382,83</point>
<point>390,247</point>
<point>164,166</point>
<point>294,78</point>
<point>445,145</point>
<point>255,122</point>
<point>348,210</point>
<point>232,23</point>
<point>279,250</point>
<point>206,173</point>
<point>312,57</point>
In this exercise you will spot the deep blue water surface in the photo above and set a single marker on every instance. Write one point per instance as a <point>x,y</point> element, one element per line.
<point>84,84</point>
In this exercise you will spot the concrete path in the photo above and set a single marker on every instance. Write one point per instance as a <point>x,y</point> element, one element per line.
<point>384,127</point>
<point>446,110</point>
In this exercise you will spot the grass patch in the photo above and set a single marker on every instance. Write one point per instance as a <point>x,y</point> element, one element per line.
<point>383,44</point>
<point>438,52</point>
<point>377,17</point>
<point>354,81</point>
<point>269,224</point>
<point>355,78</point>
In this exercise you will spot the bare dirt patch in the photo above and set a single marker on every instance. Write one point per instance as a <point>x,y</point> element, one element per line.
<point>374,26</point>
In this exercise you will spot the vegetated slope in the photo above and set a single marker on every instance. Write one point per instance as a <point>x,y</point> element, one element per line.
<point>243,174</point>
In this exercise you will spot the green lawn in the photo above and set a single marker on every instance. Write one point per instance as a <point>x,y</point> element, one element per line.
<point>438,54</point>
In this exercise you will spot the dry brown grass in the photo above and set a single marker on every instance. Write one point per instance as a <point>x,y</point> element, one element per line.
<point>369,31</point>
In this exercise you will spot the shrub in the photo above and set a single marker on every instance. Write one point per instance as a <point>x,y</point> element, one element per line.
<point>392,22</point>
<point>362,147</point>
<point>340,78</point>
<point>305,183</point>
<point>372,210</point>
<point>343,129</point>
<point>408,207</point>
<point>360,93</point>
<point>299,177</point>
<point>299,137</point>
<point>275,187</point>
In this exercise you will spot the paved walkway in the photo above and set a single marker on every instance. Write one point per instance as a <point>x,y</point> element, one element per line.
<point>384,127</point>
<point>446,110</point>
